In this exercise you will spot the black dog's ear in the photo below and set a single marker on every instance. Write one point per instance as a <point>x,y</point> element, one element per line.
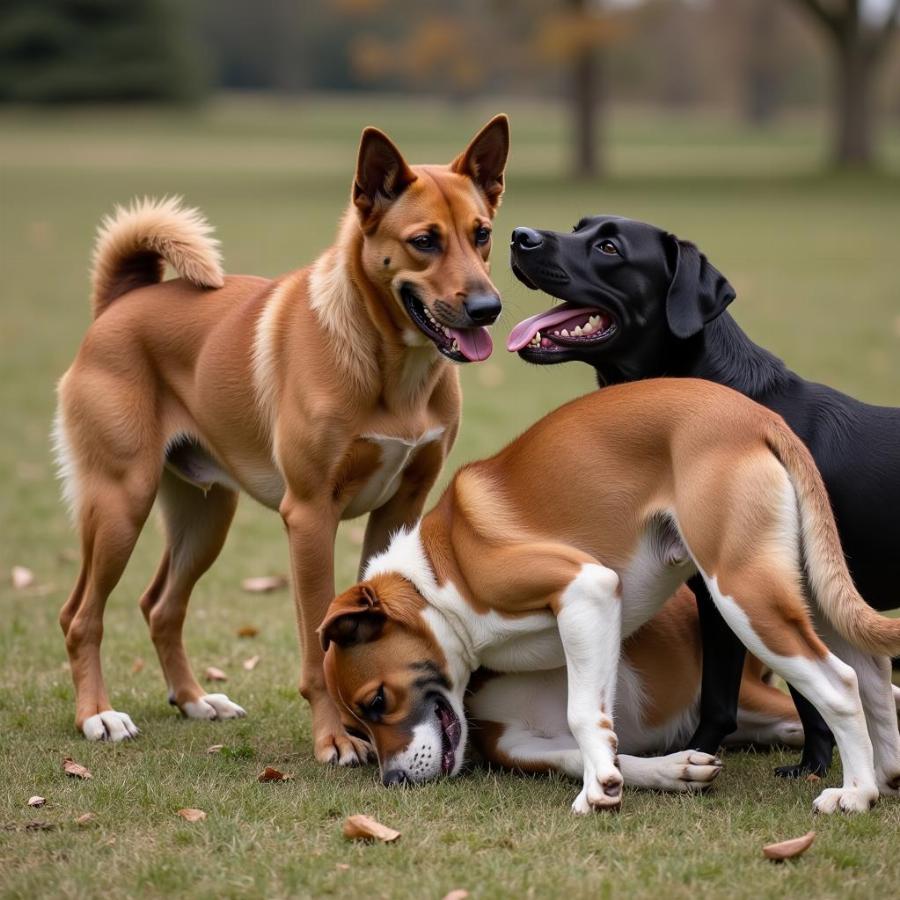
<point>355,617</point>
<point>698,291</point>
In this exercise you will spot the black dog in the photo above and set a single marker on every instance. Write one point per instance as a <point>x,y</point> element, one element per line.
<point>641,304</point>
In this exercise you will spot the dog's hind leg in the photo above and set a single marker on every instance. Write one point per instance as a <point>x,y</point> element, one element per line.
<point>111,514</point>
<point>196,525</point>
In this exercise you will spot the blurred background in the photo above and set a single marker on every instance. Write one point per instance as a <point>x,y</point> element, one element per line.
<point>767,131</point>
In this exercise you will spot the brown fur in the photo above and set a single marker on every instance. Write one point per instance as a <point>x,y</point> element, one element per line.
<point>275,384</point>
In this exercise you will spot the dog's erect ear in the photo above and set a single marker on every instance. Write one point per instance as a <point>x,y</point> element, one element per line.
<point>354,617</point>
<point>484,160</point>
<point>382,175</point>
<point>698,291</point>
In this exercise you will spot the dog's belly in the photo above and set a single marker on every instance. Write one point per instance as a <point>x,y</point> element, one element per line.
<point>396,454</point>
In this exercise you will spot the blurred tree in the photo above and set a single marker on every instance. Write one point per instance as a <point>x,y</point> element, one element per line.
<point>858,46</point>
<point>66,51</point>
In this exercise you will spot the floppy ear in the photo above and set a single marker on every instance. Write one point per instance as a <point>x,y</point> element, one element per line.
<point>698,291</point>
<point>381,174</point>
<point>485,159</point>
<point>354,617</point>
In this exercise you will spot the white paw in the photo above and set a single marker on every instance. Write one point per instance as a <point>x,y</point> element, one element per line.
<point>109,726</point>
<point>688,770</point>
<point>845,800</point>
<point>602,794</point>
<point>213,706</point>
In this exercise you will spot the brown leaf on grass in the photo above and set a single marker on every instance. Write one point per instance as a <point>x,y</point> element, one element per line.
<point>21,577</point>
<point>39,826</point>
<point>250,664</point>
<point>458,894</point>
<point>137,665</point>
<point>263,584</point>
<point>365,828</point>
<point>75,770</point>
<point>812,778</point>
<point>216,748</point>
<point>271,774</point>
<point>343,867</point>
<point>85,818</point>
<point>214,674</point>
<point>36,801</point>
<point>192,815</point>
<point>247,631</point>
<point>789,849</point>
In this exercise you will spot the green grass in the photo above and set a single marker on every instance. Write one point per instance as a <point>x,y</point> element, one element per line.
<point>814,260</point>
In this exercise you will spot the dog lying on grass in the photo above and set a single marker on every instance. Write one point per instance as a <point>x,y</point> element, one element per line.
<point>575,535</point>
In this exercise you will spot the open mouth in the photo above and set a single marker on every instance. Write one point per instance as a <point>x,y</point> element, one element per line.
<point>459,344</point>
<point>562,328</point>
<point>451,733</point>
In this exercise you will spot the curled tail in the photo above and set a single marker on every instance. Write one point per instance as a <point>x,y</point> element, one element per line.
<point>134,244</point>
<point>830,580</point>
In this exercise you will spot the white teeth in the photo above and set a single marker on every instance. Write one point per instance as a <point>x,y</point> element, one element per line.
<point>455,346</point>
<point>563,333</point>
<point>594,320</point>
<point>588,328</point>
<point>578,330</point>
<point>536,340</point>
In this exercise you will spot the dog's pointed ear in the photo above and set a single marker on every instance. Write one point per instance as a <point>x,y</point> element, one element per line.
<point>382,175</point>
<point>484,160</point>
<point>355,617</point>
<point>698,291</point>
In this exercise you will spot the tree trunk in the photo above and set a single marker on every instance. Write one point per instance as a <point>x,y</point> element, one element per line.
<point>584,106</point>
<point>853,123</point>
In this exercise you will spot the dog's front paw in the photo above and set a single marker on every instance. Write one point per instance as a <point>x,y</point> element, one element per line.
<point>688,770</point>
<point>342,749</point>
<point>601,794</point>
<point>849,800</point>
<point>213,706</point>
<point>109,725</point>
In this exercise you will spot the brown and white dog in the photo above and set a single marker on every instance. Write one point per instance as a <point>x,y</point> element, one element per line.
<point>517,720</point>
<point>571,538</point>
<point>324,394</point>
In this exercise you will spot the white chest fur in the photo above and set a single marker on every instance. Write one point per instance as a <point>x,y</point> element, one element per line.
<point>396,454</point>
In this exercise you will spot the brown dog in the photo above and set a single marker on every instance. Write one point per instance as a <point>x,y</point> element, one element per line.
<point>324,394</point>
<point>567,541</point>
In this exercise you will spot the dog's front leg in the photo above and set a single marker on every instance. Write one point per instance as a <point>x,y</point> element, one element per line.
<point>588,615</point>
<point>311,528</point>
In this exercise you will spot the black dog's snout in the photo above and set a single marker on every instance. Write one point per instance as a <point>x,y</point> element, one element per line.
<point>526,238</point>
<point>394,777</point>
<point>482,309</point>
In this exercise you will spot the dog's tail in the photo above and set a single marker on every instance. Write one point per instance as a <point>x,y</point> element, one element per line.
<point>135,243</point>
<point>832,586</point>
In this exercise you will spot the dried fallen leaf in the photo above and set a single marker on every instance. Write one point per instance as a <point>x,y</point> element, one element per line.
<point>789,849</point>
<point>365,828</point>
<point>36,801</point>
<point>21,577</point>
<point>271,774</point>
<point>39,826</point>
<point>458,894</point>
<point>342,866</point>
<point>812,778</point>
<point>250,664</point>
<point>216,748</point>
<point>192,815</point>
<point>214,674</point>
<point>137,666</point>
<point>247,631</point>
<point>85,818</point>
<point>75,770</point>
<point>263,584</point>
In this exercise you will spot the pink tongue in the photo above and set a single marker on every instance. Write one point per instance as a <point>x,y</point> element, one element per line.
<point>522,334</point>
<point>475,344</point>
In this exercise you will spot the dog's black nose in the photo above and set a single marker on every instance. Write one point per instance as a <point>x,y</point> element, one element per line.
<point>393,777</point>
<point>482,309</point>
<point>526,238</point>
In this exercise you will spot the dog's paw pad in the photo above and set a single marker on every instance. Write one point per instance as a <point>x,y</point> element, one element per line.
<point>109,725</point>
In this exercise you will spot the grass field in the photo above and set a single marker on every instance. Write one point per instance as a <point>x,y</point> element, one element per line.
<point>815,263</point>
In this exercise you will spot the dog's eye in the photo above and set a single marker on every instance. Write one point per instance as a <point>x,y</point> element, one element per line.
<point>482,235</point>
<point>608,247</point>
<point>376,706</point>
<point>424,242</point>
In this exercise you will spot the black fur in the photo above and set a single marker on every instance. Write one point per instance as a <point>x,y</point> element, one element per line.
<point>667,303</point>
